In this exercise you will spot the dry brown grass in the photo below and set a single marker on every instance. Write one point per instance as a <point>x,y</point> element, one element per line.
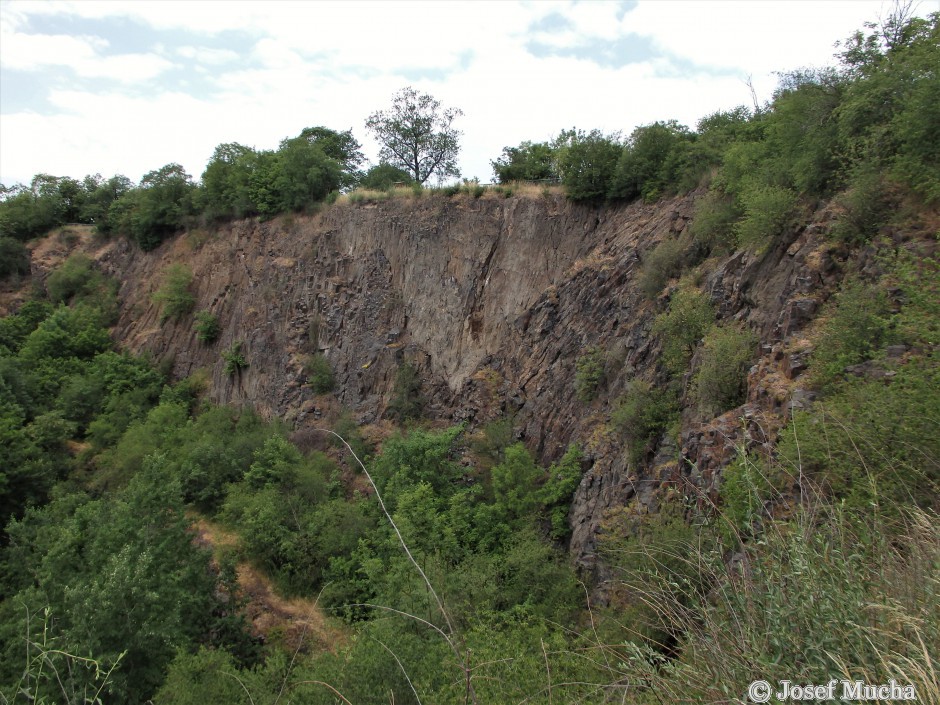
<point>296,622</point>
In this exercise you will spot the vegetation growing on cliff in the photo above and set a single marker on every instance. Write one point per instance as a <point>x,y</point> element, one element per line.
<point>440,560</point>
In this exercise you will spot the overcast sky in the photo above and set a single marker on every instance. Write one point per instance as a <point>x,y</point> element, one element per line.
<point>126,87</point>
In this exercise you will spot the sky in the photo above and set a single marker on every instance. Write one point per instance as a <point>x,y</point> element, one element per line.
<point>125,87</point>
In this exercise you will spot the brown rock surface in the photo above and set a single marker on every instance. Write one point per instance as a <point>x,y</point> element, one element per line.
<point>493,300</point>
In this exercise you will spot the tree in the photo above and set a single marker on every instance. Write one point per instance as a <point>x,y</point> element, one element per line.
<point>587,162</point>
<point>341,146</point>
<point>417,135</point>
<point>383,176</point>
<point>527,162</point>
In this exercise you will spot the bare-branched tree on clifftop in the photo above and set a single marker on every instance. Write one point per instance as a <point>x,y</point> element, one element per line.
<point>416,135</point>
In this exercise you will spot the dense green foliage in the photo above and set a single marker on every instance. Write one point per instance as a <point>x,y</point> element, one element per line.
<point>319,373</point>
<point>208,327</point>
<point>589,371</point>
<point>440,559</point>
<point>14,257</point>
<point>174,296</point>
<point>642,414</point>
<point>527,162</point>
<point>721,378</point>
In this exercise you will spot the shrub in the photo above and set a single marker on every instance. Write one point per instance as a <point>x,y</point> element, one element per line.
<point>721,380</point>
<point>490,442</point>
<point>873,444</point>
<point>855,330</point>
<point>866,207</point>
<point>207,328</point>
<point>174,295</point>
<point>660,266</point>
<point>587,162</point>
<point>14,257</point>
<point>749,487</point>
<point>767,211</point>
<point>642,414</point>
<point>766,617</point>
<point>234,359</point>
<point>713,223</point>
<point>74,279</point>
<point>563,479</point>
<point>683,325</point>
<point>406,400</point>
<point>589,372</point>
<point>384,176</point>
<point>319,373</point>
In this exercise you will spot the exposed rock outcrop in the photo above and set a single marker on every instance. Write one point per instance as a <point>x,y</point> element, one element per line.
<point>493,300</point>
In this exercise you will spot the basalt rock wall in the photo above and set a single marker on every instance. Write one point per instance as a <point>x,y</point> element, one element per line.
<point>493,300</point>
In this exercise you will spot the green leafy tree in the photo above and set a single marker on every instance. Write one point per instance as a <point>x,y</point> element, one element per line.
<point>14,257</point>
<point>416,134</point>
<point>649,165</point>
<point>587,161</point>
<point>406,402</point>
<point>383,176</point>
<point>99,195</point>
<point>516,483</point>
<point>527,162</point>
<point>226,181</point>
<point>339,146</point>
<point>139,562</point>
<point>304,174</point>
<point>558,490</point>
<point>157,209</point>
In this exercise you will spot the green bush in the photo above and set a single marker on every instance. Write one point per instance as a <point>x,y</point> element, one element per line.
<point>857,327</point>
<point>767,211</point>
<point>527,162</point>
<point>587,162</point>
<point>642,414</point>
<point>873,445</point>
<point>866,205</point>
<point>558,490</point>
<point>207,328</point>
<point>234,359</point>
<point>721,380</point>
<point>661,265</point>
<point>589,373</point>
<point>14,257</point>
<point>173,295</point>
<point>384,176</point>
<point>749,490</point>
<point>319,373</point>
<point>76,280</point>
<point>406,402</point>
<point>713,223</point>
<point>682,326</point>
<point>823,567</point>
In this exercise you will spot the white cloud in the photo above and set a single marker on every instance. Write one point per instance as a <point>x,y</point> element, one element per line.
<point>81,54</point>
<point>204,55</point>
<point>330,63</point>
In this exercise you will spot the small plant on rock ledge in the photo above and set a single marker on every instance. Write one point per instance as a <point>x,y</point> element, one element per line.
<point>234,359</point>
<point>174,295</point>
<point>207,328</point>
<point>319,373</point>
<point>590,370</point>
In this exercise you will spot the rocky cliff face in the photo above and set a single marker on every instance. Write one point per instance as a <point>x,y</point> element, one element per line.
<point>493,301</point>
